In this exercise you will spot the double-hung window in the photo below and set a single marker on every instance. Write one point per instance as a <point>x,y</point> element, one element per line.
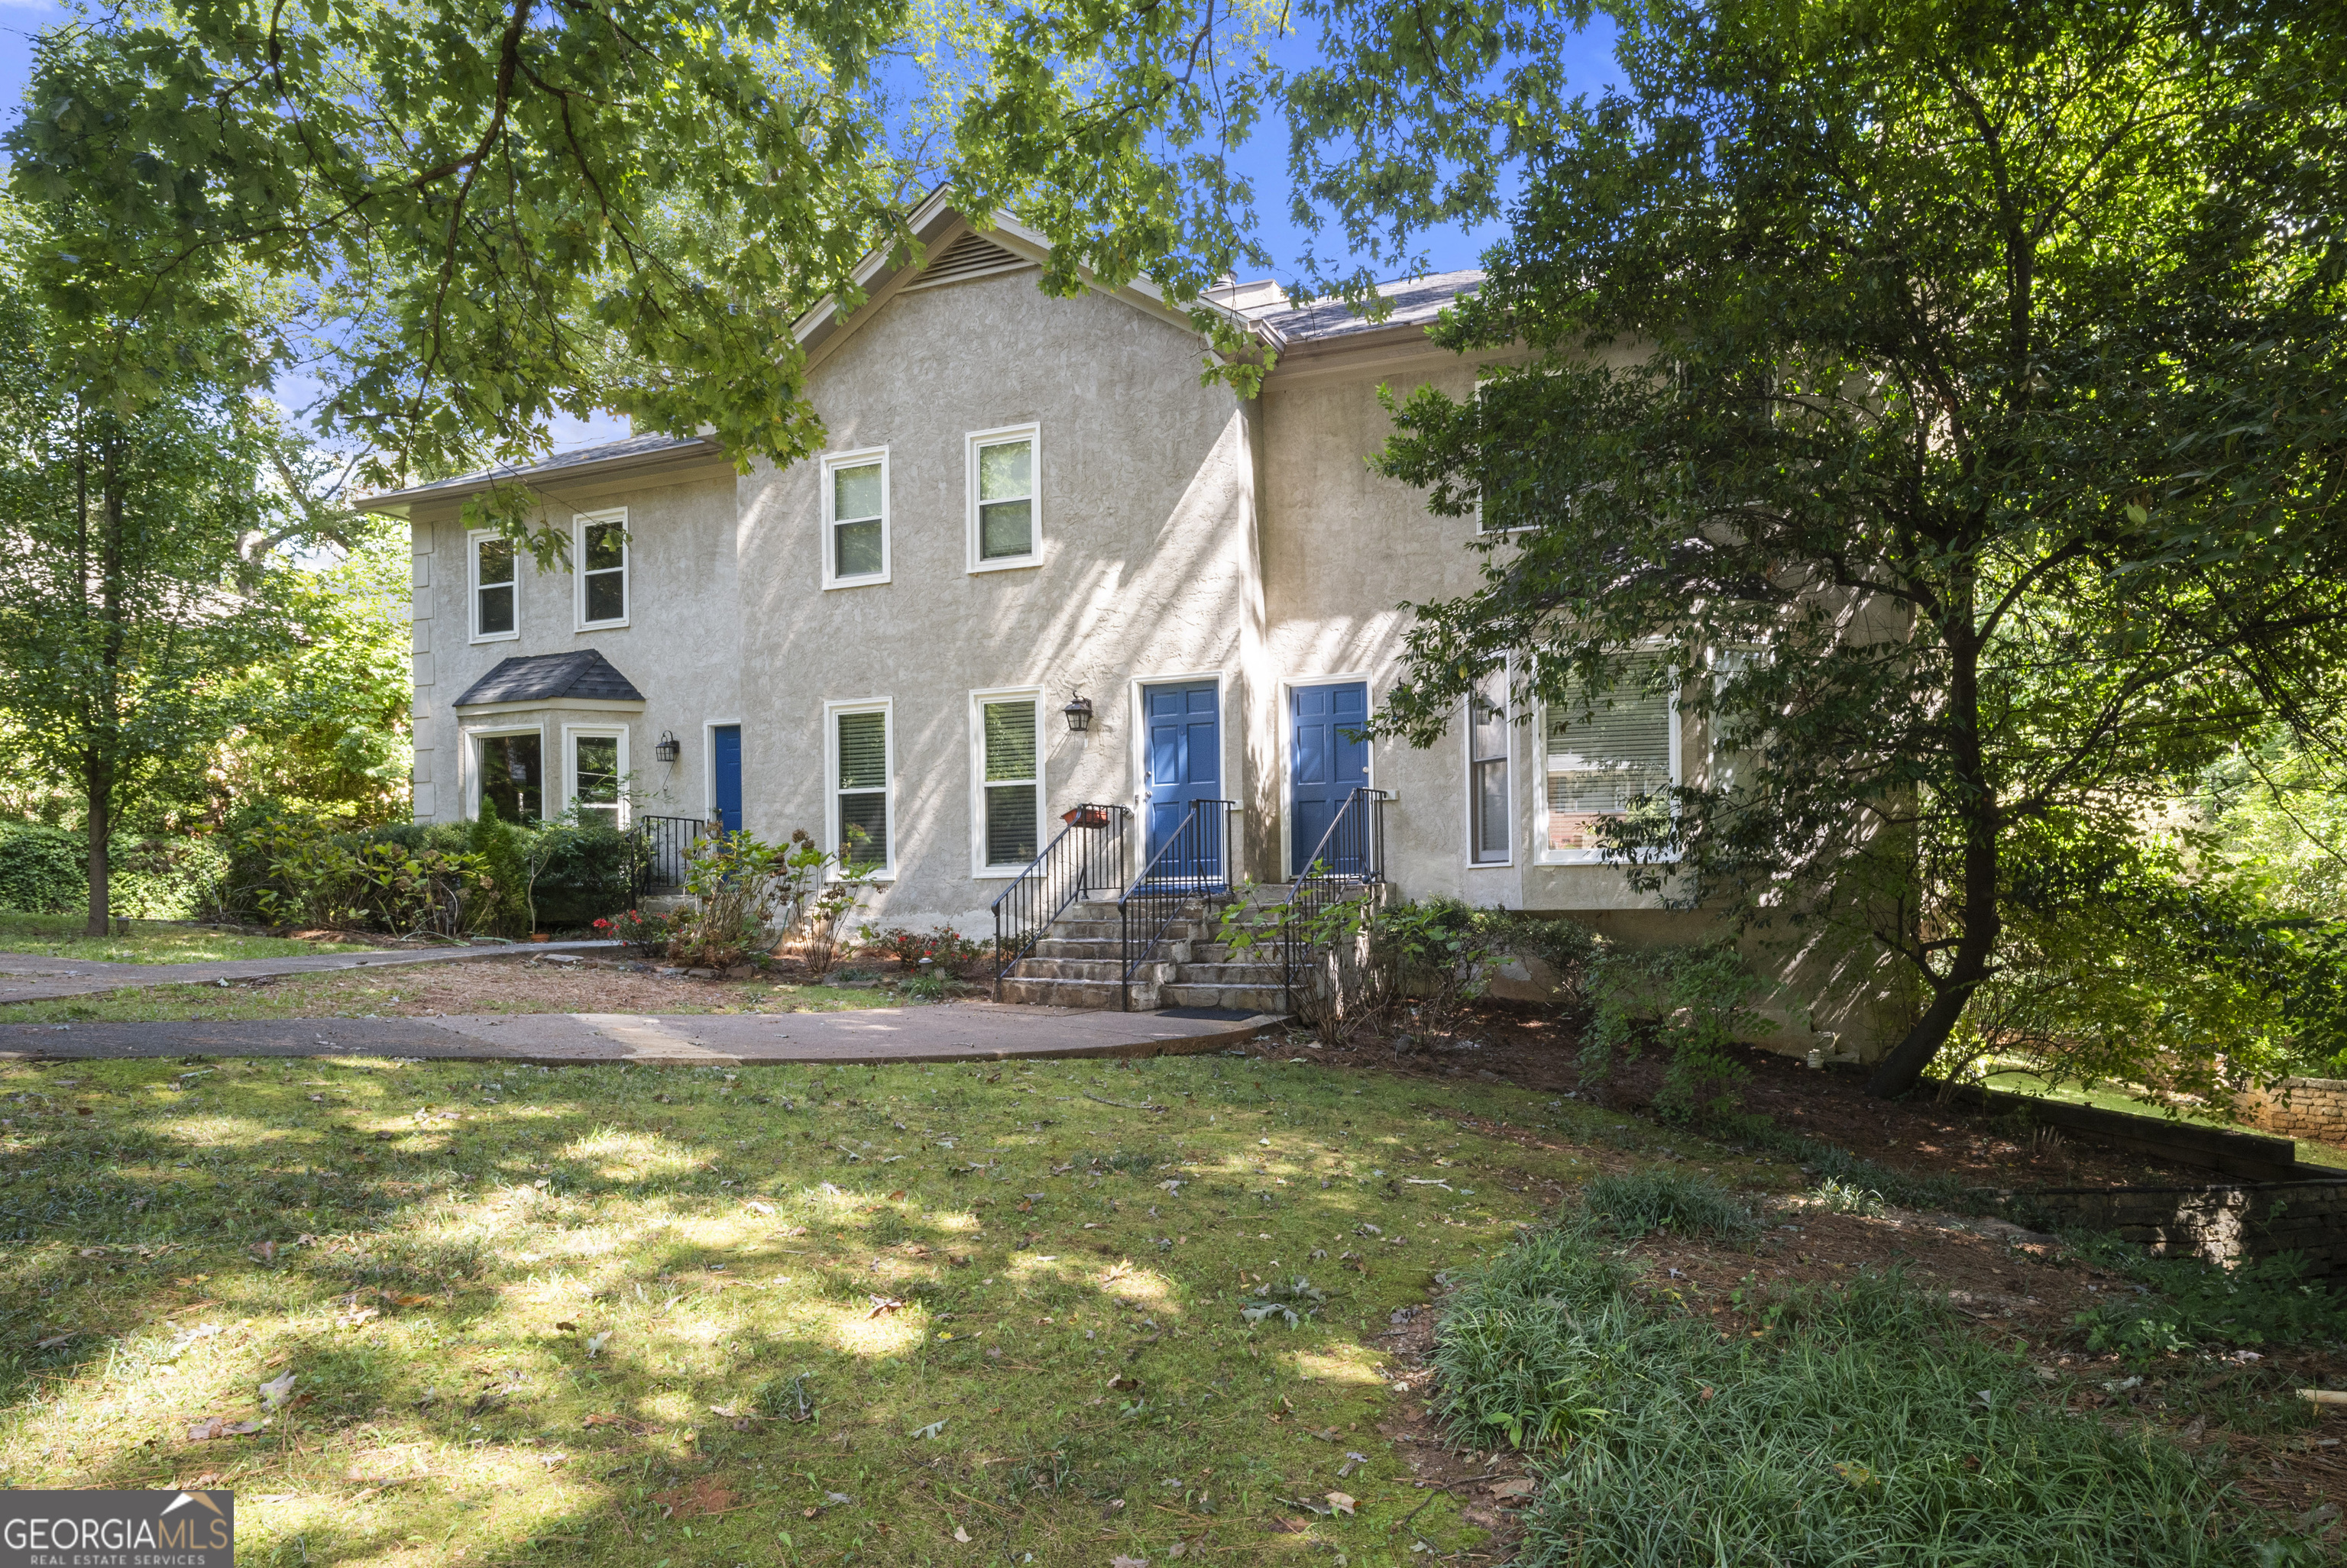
<point>600,552</point>
<point>1010,805</point>
<point>1005,521</point>
<point>855,518</point>
<point>1603,764</point>
<point>599,762</point>
<point>1488,824</point>
<point>860,775</point>
<point>496,587</point>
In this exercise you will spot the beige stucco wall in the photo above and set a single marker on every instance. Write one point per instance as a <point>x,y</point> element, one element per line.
<point>681,646</point>
<point>1149,566</point>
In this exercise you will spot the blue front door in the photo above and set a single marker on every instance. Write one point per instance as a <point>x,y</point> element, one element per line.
<point>1183,761</point>
<point>726,775</point>
<point>1325,767</point>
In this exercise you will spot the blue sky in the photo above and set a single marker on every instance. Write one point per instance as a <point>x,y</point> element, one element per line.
<point>1588,68</point>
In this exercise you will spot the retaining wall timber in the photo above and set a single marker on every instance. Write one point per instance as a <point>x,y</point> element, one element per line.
<point>2228,1224</point>
<point>2252,1155</point>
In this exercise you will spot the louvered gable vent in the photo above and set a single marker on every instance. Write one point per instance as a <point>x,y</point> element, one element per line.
<point>971,256</point>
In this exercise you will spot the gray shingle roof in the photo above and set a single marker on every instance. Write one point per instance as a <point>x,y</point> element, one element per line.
<point>633,446</point>
<point>583,673</point>
<point>1416,302</point>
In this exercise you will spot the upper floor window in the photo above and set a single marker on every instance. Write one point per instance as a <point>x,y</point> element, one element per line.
<point>855,518</point>
<point>600,552</point>
<point>1603,765</point>
<point>1004,528</point>
<point>495,587</point>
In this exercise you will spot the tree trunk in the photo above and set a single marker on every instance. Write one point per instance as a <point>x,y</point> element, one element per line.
<point>99,778</point>
<point>1977,807</point>
<point>101,754</point>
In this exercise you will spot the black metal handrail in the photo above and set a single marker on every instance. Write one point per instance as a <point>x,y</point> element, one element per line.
<point>1087,854</point>
<point>664,845</point>
<point>1194,861</point>
<point>1351,856</point>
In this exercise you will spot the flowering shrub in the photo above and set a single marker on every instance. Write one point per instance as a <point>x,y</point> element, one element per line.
<point>942,947</point>
<point>645,935</point>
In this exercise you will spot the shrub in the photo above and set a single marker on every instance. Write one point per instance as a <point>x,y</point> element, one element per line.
<point>1637,1202</point>
<point>1690,1001</point>
<point>1570,949</point>
<point>504,908</point>
<point>645,935</point>
<point>45,870</point>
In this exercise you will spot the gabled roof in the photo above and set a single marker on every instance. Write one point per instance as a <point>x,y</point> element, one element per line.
<point>580,674</point>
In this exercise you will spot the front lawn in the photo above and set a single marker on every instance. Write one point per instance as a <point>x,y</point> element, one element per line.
<point>149,941</point>
<point>769,1315</point>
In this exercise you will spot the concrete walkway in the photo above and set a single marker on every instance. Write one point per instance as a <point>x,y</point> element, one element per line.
<point>30,977</point>
<point>948,1031</point>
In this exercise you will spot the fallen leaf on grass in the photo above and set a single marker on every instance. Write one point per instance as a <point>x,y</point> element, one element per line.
<point>961,1535</point>
<point>754,1206</point>
<point>1339,1503</point>
<point>411,1300</point>
<point>1123,1562</point>
<point>1517,1487</point>
<point>927,1432</point>
<point>212,1426</point>
<point>881,1304</point>
<point>1282,1526</point>
<point>277,1390</point>
<point>54,1341</point>
<point>596,1342</point>
<point>707,1495</point>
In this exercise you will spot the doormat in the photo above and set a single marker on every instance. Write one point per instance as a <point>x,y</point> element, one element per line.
<point>1226,1014</point>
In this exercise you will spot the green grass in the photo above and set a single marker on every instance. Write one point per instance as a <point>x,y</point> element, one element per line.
<point>2020,1080</point>
<point>391,991</point>
<point>1635,1203</point>
<point>149,941</point>
<point>470,1263</point>
<point>1853,1424</point>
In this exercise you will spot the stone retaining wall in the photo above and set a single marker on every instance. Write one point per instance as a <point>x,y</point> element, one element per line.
<point>2229,1225</point>
<point>2301,1108</point>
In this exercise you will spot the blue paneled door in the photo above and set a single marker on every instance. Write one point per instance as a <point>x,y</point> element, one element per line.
<point>1183,762</point>
<point>1325,767</point>
<point>726,775</point>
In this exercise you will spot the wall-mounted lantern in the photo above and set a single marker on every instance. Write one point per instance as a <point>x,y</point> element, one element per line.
<point>1078,715</point>
<point>668,749</point>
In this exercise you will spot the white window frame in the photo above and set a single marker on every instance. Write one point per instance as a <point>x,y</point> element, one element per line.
<point>578,527</point>
<point>886,706</point>
<point>830,463</point>
<point>571,735</point>
<point>979,700</point>
<point>1542,853</point>
<point>1507,760</point>
<point>470,762</point>
<point>1003,436</point>
<point>472,586</point>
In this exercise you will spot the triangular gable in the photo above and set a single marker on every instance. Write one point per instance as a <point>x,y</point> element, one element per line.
<point>943,231</point>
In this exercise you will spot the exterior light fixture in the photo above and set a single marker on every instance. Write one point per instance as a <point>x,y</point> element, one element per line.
<point>668,749</point>
<point>1078,715</point>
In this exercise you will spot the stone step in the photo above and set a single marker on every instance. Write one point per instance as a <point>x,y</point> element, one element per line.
<point>1092,969</point>
<point>1078,947</point>
<point>1088,993</point>
<point>1113,930</point>
<point>1253,998</point>
<point>1227,975</point>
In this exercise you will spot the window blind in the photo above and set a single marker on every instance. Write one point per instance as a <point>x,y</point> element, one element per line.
<point>1603,764</point>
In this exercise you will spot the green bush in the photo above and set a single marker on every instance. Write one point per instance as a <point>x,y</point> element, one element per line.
<point>45,870</point>
<point>1692,1003</point>
<point>1569,948</point>
<point>1864,1425</point>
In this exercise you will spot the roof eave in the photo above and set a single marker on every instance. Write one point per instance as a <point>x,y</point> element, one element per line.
<point>685,455</point>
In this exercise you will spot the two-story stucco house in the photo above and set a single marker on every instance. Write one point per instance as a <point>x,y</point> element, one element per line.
<point>1026,504</point>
